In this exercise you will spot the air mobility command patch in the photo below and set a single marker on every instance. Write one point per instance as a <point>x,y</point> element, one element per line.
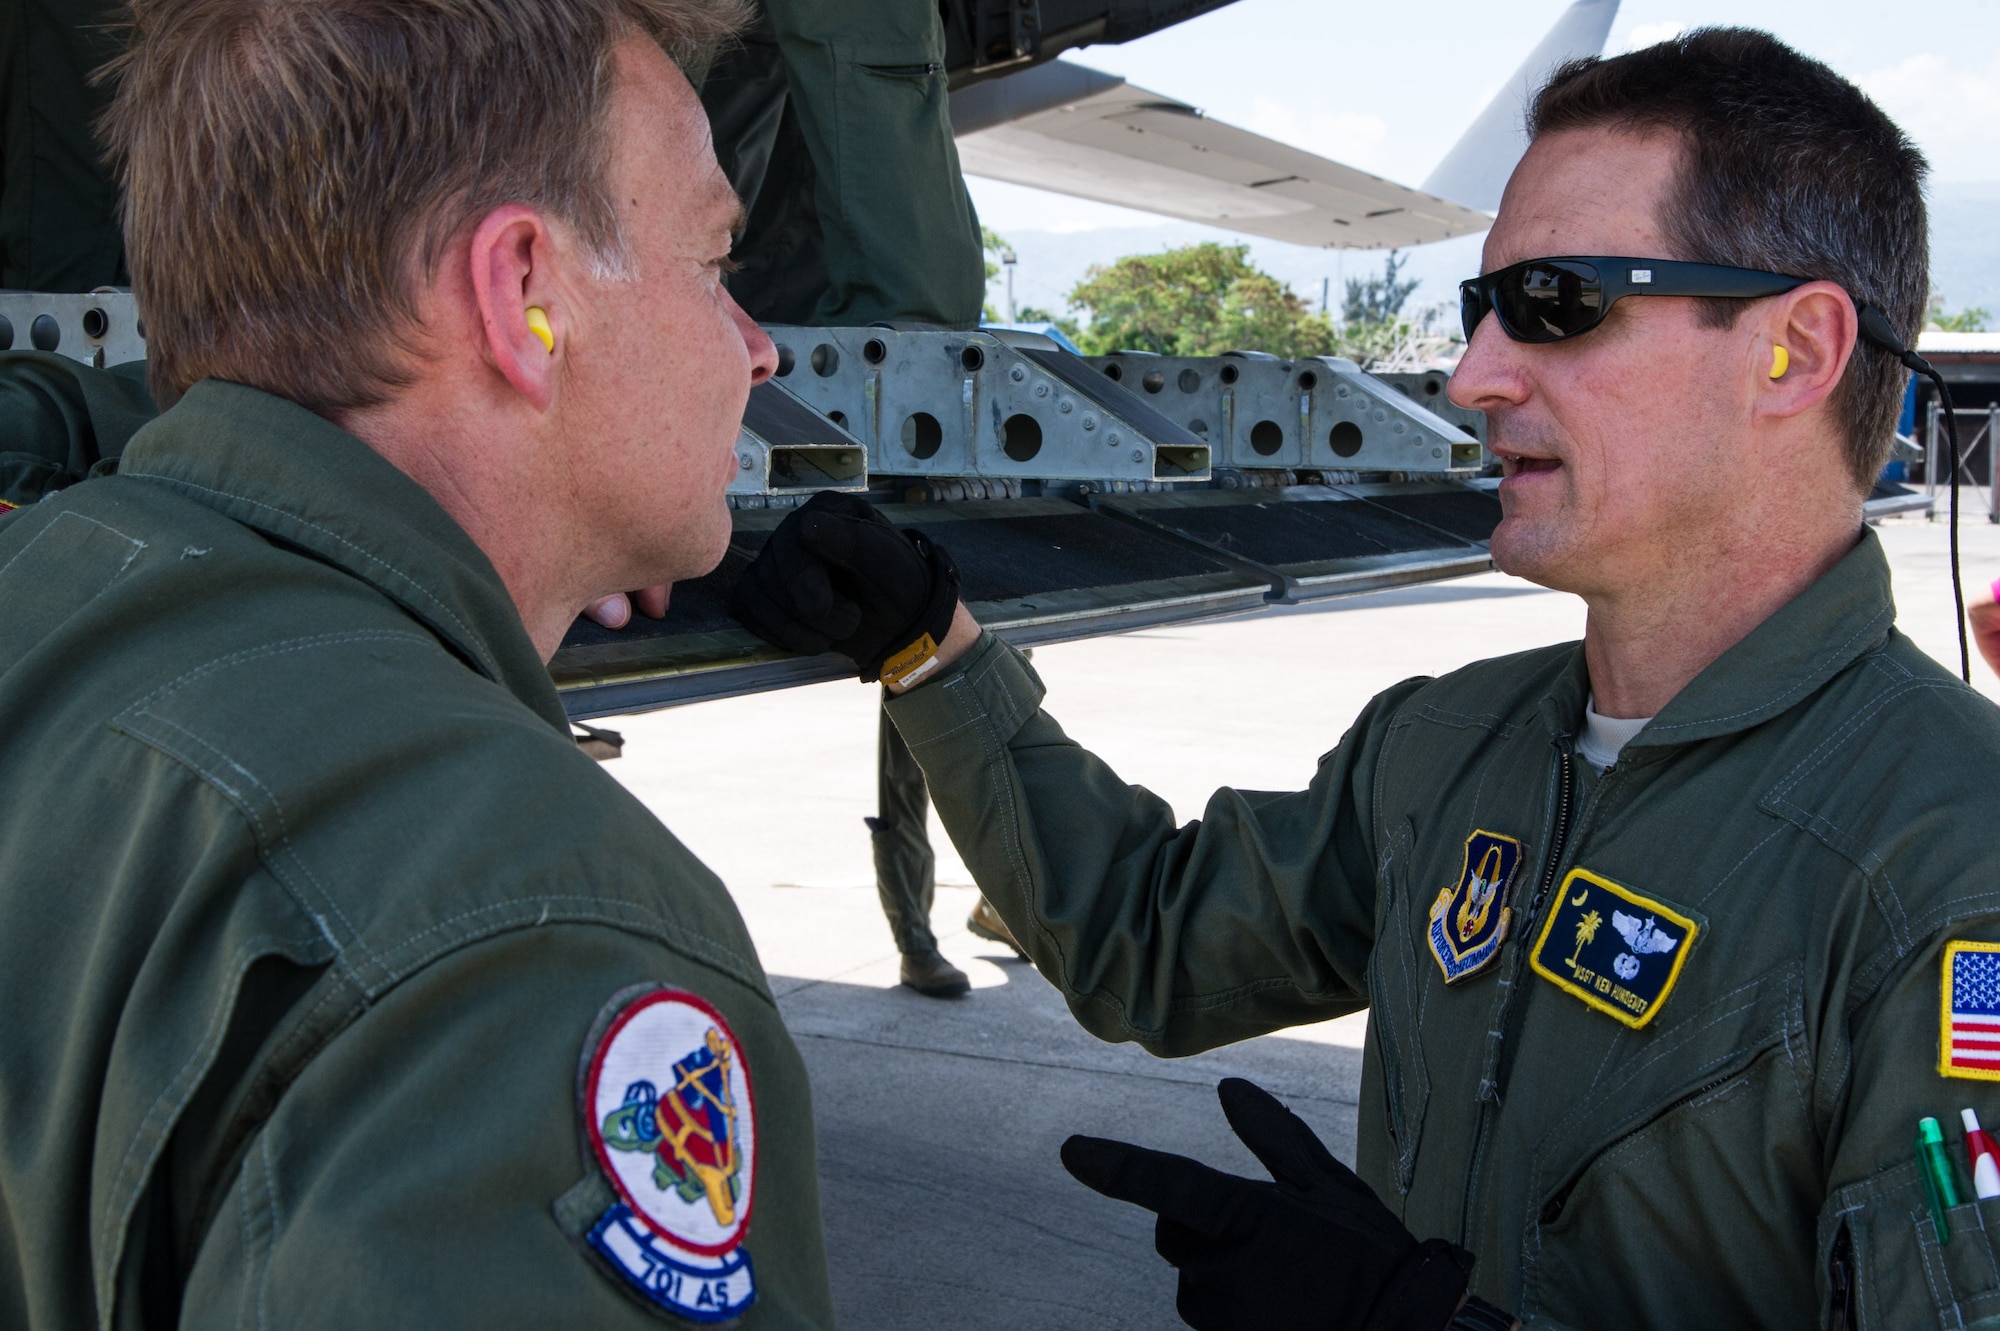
<point>667,1113</point>
<point>1618,951</point>
<point>1969,1011</point>
<point>1469,920</point>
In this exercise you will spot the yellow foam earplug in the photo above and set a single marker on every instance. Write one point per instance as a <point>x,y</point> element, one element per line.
<point>1781,360</point>
<point>538,324</point>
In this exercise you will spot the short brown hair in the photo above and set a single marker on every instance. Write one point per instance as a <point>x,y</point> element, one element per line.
<point>1788,168</point>
<point>284,162</point>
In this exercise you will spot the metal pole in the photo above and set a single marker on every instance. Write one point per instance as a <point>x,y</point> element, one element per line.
<point>1992,462</point>
<point>1007,262</point>
<point>1931,450</point>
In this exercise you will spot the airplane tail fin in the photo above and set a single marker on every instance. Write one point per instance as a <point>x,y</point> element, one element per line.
<point>1475,171</point>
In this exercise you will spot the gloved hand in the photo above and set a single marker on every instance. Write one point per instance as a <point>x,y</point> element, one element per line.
<point>1314,1249</point>
<point>837,574</point>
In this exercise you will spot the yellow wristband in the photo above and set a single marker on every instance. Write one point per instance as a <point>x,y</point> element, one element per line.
<point>912,661</point>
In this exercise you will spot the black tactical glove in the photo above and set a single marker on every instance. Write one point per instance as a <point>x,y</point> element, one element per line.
<point>837,574</point>
<point>1315,1249</point>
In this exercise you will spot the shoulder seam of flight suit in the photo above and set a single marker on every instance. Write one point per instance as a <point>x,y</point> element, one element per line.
<point>1908,935</point>
<point>270,844</point>
<point>282,647</point>
<point>1777,801</point>
<point>469,640</point>
<point>1425,711</point>
<point>388,966</point>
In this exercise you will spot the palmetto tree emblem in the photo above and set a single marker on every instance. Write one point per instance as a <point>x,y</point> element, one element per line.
<point>1586,932</point>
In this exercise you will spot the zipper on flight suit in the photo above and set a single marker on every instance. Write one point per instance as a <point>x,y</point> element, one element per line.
<point>1488,1095</point>
<point>1565,797</point>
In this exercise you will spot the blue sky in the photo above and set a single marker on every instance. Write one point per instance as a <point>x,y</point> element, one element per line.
<point>1389,88</point>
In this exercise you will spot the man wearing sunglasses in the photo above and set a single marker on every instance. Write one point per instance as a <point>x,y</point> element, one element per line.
<point>1669,938</point>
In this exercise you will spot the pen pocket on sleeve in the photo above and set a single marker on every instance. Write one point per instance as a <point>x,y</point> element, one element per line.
<point>1966,1267</point>
<point>1903,1277</point>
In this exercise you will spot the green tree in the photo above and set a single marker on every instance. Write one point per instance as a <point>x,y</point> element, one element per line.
<point>1378,300</point>
<point>1973,319</point>
<point>1197,300</point>
<point>992,245</point>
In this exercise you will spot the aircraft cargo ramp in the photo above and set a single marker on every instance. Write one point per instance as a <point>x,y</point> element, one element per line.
<point>1040,570</point>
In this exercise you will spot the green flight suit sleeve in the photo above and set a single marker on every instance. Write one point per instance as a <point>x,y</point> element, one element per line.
<point>900,235</point>
<point>411,1175</point>
<point>59,418</point>
<point>1259,916</point>
<point>1879,1249</point>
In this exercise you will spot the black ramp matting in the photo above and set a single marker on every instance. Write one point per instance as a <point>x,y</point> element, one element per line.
<point>1005,559</point>
<point>1469,514</point>
<point>998,558</point>
<point>1278,532</point>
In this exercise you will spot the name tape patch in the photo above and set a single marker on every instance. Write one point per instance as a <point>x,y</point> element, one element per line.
<point>1469,920</point>
<point>1969,1011</point>
<point>1615,949</point>
<point>667,1112</point>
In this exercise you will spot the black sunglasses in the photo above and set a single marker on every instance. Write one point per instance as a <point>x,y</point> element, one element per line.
<point>1547,300</point>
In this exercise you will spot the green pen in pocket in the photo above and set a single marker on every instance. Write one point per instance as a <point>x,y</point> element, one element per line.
<point>1940,1185</point>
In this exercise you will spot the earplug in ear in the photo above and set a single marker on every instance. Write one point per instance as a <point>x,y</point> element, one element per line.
<point>1781,360</point>
<point>538,324</point>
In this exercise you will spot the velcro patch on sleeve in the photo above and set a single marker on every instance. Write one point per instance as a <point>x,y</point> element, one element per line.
<point>667,1114</point>
<point>1969,1011</point>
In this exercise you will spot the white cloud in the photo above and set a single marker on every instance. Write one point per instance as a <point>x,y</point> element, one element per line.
<point>1949,107</point>
<point>1345,136</point>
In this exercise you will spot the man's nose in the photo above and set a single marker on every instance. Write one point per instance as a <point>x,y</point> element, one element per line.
<point>763,352</point>
<point>1486,375</point>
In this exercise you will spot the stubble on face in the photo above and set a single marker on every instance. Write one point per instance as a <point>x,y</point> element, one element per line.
<point>666,369</point>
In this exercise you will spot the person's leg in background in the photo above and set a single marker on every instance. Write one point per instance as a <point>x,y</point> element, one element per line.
<point>831,119</point>
<point>58,201</point>
<point>906,867</point>
<point>901,237</point>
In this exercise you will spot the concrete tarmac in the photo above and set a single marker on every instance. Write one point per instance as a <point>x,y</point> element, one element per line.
<point>939,1121</point>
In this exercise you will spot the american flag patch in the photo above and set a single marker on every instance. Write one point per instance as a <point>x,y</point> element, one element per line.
<point>1969,1019</point>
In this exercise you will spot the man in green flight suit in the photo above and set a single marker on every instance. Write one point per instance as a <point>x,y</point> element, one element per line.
<point>342,990</point>
<point>1669,938</point>
<point>840,226</point>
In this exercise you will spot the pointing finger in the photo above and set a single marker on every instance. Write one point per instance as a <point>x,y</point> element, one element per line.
<point>1173,1186</point>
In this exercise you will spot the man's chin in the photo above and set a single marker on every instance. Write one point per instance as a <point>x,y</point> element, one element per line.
<point>717,528</point>
<point>1530,550</point>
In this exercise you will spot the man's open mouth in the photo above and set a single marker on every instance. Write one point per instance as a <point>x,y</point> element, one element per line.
<point>1516,466</point>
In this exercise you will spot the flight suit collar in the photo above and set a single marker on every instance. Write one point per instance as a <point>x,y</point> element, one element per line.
<point>1787,658</point>
<point>277,468</point>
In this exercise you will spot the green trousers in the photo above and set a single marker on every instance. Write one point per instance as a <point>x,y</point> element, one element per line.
<point>902,240</point>
<point>58,202</point>
<point>905,867</point>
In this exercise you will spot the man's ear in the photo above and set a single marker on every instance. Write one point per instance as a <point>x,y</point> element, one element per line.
<point>1802,347</point>
<point>513,262</point>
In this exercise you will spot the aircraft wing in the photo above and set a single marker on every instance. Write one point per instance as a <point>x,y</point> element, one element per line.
<point>1074,130</point>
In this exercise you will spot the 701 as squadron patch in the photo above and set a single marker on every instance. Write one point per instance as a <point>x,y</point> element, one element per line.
<point>667,1112</point>
<point>1626,971</point>
<point>1469,920</point>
